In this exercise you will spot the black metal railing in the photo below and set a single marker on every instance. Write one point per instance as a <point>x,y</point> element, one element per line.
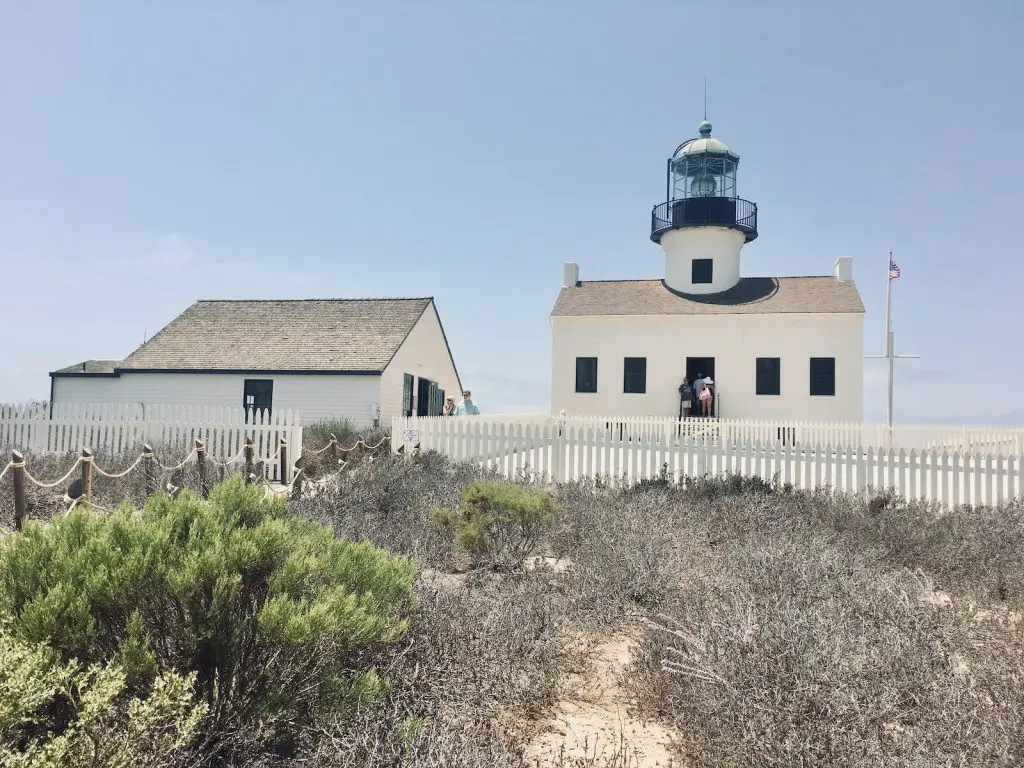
<point>732,212</point>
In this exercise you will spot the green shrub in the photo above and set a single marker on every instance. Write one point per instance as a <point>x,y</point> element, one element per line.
<point>498,524</point>
<point>269,612</point>
<point>106,728</point>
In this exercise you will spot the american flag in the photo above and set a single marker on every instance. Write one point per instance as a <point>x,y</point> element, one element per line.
<point>894,270</point>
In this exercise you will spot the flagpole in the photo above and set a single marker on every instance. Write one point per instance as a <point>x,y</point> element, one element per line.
<point>888,336</point>
<point>890,346</point>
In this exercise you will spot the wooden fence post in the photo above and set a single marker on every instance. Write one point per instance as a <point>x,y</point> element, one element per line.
<point>87,474</point>
<point>18,476</point>
<point>204,487</point>
<point>283,470</point>
<point>149,469</point>
<point>333,450</point>
<point>248,460</point>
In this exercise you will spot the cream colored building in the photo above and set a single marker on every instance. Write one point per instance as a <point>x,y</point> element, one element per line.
<point>776,347</point>
<point>365,360</point>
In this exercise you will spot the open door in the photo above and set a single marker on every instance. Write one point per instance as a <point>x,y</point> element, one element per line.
<point>706,367</point>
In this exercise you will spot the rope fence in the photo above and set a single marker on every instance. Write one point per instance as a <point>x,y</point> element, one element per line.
<point>79,492</point>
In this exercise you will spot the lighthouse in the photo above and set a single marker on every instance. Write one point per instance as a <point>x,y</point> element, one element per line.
<point>776,348</point>
<point>703,223</point>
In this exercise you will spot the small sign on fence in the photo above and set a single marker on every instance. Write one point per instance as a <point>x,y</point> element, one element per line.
<point>411,436</point>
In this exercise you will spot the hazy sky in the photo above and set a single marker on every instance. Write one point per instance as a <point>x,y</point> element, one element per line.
<point>155,153</point>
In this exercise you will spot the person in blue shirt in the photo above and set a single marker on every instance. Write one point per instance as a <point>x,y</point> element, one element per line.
<point>467,407</point>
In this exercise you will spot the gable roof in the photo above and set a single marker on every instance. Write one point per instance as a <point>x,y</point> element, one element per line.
<point>752,295</point>
<point>308,335</point>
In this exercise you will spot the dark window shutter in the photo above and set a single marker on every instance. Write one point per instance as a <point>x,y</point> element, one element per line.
<point>586,374</point>
<point>767,376</point>
<point>407,394</point>
<point>823,376</point>
<point>634,375</point>
<point>432,398</point>
<point>702,271</point>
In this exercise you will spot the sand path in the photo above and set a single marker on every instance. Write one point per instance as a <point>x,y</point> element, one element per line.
<point>596,720</point>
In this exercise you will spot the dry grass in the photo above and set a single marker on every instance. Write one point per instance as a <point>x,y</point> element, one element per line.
<point>769,628</point>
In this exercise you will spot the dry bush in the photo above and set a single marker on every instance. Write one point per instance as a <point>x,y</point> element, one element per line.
<point>387,501</point>
<point>353,446</point>
<point>794,638</point>
<point>484,652</point>
<point>974,549</point>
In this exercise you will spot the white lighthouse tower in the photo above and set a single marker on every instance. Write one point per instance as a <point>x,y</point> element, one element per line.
<point>702,225</point>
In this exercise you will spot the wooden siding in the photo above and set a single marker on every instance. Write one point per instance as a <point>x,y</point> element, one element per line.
<point>316,397</point>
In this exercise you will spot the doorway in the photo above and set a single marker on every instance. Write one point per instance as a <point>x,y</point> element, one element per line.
<point>706,366</point>
<point>425,396</point>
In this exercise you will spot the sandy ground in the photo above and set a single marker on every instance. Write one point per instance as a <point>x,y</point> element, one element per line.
<point>595,720</point>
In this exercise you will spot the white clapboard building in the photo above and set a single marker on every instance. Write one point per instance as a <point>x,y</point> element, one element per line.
<point>366,360</point>
<point>776,347</point>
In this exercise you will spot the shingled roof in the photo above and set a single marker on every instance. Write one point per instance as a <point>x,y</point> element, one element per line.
<point>90,367</point>
<point>752,295</point>
<point>341,335</point>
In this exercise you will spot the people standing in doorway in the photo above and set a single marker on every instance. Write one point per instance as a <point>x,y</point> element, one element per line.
<point>449,407</point>
<point>467,407</point>
<point>685,398</point>
<point>707,397</point>
<point>696,386</point>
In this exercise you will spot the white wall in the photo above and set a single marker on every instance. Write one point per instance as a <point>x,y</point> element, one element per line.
<point>735,341</point>
<point>424,354</point>
<point>720,244</point>
<point>316,397</point>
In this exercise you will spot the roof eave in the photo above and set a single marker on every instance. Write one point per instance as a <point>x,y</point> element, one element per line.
<point>255,371</point>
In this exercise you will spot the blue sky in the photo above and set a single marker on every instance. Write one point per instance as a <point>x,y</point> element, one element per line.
<point>155,153</point>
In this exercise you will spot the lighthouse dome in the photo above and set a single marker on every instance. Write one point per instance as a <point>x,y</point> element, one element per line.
<point>704,145</point>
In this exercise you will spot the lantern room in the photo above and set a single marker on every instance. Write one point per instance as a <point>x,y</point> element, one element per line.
<point>702,167</point>
<point>700,189</point>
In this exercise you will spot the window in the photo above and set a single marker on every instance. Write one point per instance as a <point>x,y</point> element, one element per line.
<point>439,402</point>
<point>634,375</point>
<point>702,271</point>
<point>586,374</point>
<point>823,376</point>
<point>257,397</point>
<point>767,375</point>
<point>407,382</point>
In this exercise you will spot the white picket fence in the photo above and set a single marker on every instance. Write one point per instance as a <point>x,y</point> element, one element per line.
<point>565,451</point>
<point>124,429</point>
<point>966,439</point>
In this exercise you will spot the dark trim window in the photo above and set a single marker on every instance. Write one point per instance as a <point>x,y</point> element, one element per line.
<point>767,375</point>
<point>407,394</point>
<point>257,396</point>
<point>634,375</point>
<point>823,376</point>
<point>586,374</point>
<point>702,271</point>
